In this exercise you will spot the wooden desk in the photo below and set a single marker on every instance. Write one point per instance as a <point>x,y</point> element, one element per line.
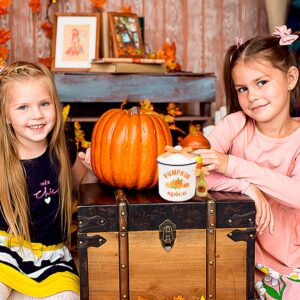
<point>134,244</point>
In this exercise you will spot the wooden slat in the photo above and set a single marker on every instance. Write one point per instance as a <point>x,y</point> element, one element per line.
<point>194,31</point>
<point>103,268</point>
<point>21,31</point>
<point>97,87</point>
<point>231,267</point>
<point>156,273</point>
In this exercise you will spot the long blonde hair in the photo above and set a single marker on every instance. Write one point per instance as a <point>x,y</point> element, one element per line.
<point>13,190</point>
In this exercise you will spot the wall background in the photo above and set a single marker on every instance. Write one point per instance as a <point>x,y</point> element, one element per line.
<point>201,29</point>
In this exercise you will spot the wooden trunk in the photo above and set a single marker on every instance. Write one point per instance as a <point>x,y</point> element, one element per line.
<point>134,244</point>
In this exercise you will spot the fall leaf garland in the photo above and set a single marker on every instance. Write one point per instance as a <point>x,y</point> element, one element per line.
<point>4,33</point>
<point>35,5</point>
<point>4,5</point>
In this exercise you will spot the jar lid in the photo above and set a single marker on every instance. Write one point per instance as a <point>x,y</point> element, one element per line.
<point>176,159</point>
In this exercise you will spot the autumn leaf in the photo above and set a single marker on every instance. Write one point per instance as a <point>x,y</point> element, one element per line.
<point>47,61</point>
<point>194,128</point>
<point>47,27</point>
<point>4,5</point>
<point>85,144</point>
<point>65,111</point>
<point>3,52</point>
<point>179,297</point>
<point>160,54</point>
<point>146,104</point>
<point>4,35</point>
<point>169,119</point>
<point>99,4</point>
<point>168,53</point>
<point>35,5</point>
<point>173,110</point>
<point>2,64</point>
<point>174,127</point>
<point>126,9</point>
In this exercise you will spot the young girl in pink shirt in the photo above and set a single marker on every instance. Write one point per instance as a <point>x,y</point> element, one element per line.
<point>255,150</point>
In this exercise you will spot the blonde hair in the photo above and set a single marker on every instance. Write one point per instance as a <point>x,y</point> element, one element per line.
<point>13,190</point>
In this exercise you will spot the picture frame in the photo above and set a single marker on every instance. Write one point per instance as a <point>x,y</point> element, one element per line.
<point>76,38</point>
<point>126,34</point>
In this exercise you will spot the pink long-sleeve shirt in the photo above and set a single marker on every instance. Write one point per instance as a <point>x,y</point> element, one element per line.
<point>273,165</point>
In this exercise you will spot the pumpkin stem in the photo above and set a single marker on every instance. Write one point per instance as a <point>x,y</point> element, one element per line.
<point>196,130</point>
<point>124,102</point>
<point>134,111</point>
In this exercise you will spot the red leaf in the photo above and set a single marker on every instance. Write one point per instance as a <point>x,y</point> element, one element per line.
<point>47,27</point>
<point>4,35</point>
<point>3,52</point>
<point>126,9</point>
<point>47,61</point>
<point>35,5</point>
<point>99,4</point>
<point>3,11</point>
<point>4,5</point>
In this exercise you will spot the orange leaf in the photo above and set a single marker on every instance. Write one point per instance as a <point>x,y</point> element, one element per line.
<point>160,54</point>
<point>47,61</point>
<point>47,27</point>
<point>146,104</point>
<point>174,127</point>
<point>3,52</point>
<point>99,4</point>
<point>126,9</point>
<point>4,35</point>
<point>4,5</point>
<point>35,5</point>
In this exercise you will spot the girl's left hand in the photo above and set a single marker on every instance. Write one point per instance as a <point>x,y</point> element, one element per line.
<point>213,160</point>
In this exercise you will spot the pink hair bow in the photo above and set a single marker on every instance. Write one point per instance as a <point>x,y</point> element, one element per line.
<point>239,41</point>
<point>286,38</point>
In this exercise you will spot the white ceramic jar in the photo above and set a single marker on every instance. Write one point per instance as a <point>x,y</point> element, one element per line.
<point>176,176</point>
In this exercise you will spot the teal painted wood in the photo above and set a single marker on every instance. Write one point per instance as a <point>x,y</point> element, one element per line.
<point>106,87</point>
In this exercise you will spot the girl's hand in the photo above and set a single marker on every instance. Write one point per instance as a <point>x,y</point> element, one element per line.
<point>88,175</point>
<point>264,215</point>
<point>85,158</point>
<point>215,161</point>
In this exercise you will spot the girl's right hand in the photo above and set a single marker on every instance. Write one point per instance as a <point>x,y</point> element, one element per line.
<point>85,158</point>
<point>264,215</point>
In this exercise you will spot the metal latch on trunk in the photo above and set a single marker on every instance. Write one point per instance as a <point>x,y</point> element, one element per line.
<point>167,234</point>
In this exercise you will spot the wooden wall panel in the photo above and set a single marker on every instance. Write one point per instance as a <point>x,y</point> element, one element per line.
<point>193,31</point>
<point>201,29</point>
<point>22,31</point>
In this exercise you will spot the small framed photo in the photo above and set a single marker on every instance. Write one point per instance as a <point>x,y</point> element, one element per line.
<point>126,35</point>
<point>75,40</point>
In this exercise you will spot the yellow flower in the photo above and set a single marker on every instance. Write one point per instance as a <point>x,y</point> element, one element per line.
<point>201,188</point>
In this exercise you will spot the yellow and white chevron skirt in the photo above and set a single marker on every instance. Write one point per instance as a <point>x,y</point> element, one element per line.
<point>36,270</point>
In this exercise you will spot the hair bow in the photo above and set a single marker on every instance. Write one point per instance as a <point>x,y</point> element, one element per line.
<point>286,38</point>
<point>239,41</point>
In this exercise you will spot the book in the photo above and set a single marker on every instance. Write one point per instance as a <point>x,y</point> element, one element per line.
<point>106,49</point>
<point>127,67</point>
<point>129,60</point>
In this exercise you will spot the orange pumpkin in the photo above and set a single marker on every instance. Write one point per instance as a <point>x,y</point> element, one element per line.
<point>195,139</point>
<point>125,146</point>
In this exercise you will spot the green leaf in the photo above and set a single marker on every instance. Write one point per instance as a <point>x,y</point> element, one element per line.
<point>292,279</point>
<point>272,292</point>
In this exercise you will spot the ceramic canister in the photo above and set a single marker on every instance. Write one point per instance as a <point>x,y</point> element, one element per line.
<point>176,176</point>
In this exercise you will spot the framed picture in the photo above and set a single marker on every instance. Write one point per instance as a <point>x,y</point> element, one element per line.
<point>126,35</point>
<point>75,40</point>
